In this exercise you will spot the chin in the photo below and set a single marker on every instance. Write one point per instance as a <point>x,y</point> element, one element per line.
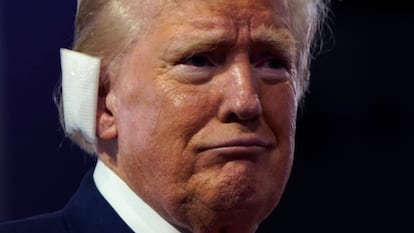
<point>241,189</point>
<point>242,202</point>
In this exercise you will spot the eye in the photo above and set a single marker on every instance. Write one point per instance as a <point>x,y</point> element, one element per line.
<point>272,68</point>
<point>272,63</point>
<point>197,61</point>
<point>194,69</point>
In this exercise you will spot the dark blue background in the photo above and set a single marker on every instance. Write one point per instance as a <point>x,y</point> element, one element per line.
<point>354,163</point>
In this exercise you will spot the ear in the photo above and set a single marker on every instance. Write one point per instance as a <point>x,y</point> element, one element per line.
<point>105,121</point>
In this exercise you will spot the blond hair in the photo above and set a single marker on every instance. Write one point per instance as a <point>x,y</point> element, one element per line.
<point>107,28</point>
<point>307,18</point>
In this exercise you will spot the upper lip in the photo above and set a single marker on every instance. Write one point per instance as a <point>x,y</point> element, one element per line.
<point>240,142</point>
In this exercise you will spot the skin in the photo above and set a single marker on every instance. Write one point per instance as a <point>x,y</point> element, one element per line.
<point>200,121</point>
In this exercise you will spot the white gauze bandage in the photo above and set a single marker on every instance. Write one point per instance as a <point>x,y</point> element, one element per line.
<point>77,7</point>
<point>80,83</point>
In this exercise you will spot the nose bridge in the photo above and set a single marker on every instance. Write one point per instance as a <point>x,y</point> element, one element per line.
<point>241,95</point>
<point>242,82</point>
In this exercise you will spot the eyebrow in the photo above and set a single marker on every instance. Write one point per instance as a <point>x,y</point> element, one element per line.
<point>197,41</point>
<point>277,40</point>
<point>280,40</point>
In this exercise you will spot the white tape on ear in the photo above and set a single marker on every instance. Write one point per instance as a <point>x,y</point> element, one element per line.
<point>80,83</point>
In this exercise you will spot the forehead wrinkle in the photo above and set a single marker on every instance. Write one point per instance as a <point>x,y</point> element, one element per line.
<point>204,36</point>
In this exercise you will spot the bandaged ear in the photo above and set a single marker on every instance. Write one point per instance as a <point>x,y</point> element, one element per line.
<point>80,84</point>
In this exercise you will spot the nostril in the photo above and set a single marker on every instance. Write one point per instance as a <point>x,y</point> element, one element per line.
<point>232,117</point>
<point>235,118</point>
<point>248,109</point>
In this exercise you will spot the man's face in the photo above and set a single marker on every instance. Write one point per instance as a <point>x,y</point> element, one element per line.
<point>205,111</point>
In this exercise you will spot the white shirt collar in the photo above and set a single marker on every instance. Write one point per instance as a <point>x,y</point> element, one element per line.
<point>137,214</point>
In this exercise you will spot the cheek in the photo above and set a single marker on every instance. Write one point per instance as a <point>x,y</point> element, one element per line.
<point>186,110</point>
<point>135,121</point>
<point>279,111</point>
<point>159,122</point>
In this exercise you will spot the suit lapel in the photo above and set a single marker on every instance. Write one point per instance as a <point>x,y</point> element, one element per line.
<point>89,212</point>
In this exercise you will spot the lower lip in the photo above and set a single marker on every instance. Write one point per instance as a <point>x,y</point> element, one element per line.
<point>238,150</point>
<point>218,156</point>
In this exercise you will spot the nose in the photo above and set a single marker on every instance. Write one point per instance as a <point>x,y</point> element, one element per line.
<point>240,94</point>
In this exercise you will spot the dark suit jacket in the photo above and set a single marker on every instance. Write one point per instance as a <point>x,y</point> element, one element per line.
<point>86,212</point>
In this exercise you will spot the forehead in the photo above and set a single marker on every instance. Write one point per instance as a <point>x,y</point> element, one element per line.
<point>158,11</point>
<point>238,10</point>
<point>231,8</point>
<point>217,15</point>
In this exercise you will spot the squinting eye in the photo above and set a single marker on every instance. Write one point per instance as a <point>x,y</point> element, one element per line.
<point>198,61</point>
<point>273,63</point>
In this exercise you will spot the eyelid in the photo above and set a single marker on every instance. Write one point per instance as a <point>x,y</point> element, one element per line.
<point>201,48</point>
<point>266,50</point>
<point>283,61</point>
<point>188,73</point>
<point>269,74</point>
<point>185,60</point>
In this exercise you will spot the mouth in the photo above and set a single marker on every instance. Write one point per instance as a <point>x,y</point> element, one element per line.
<point>247,145</point>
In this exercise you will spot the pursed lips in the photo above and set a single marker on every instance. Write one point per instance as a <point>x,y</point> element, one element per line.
<point>242,150</point>
<point>240,144</point>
